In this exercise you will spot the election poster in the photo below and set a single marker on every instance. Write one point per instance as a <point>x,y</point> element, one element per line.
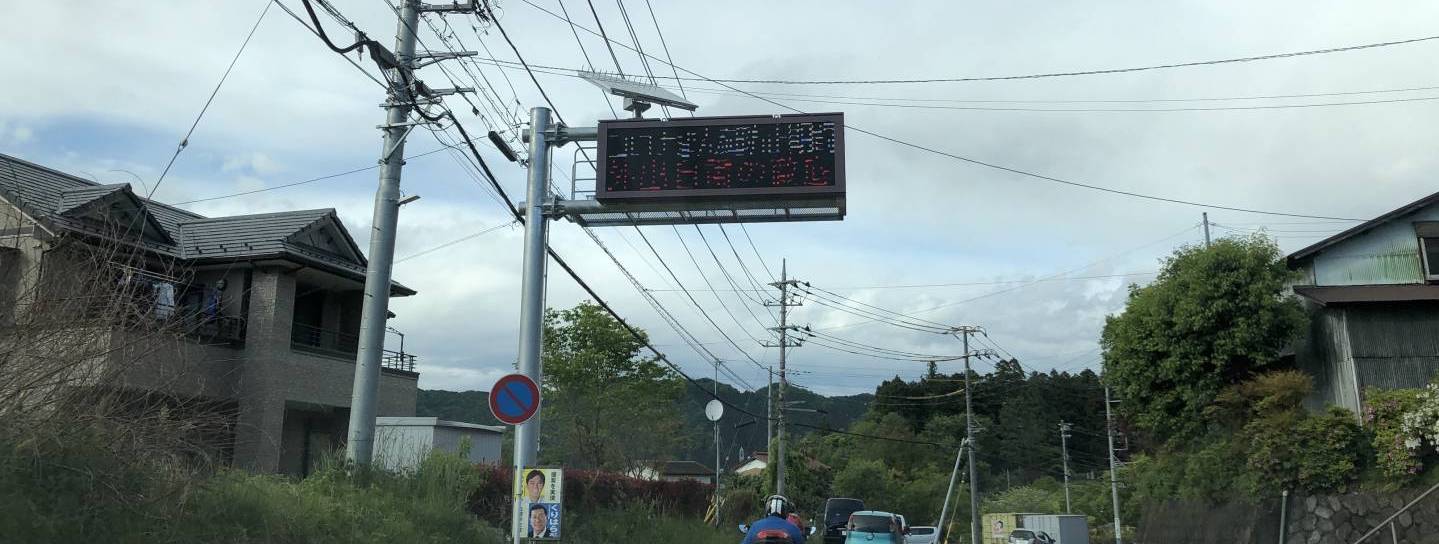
<point>539,491</point>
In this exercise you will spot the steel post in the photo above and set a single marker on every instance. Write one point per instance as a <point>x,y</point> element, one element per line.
<point>532,290</point>
<point>375,309</point>
<point>953,475</point>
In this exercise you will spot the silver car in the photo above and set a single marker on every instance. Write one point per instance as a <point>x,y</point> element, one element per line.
<point>922,535</point>
<point>1026,536</point>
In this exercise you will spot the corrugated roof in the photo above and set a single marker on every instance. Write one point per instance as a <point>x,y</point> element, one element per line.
<point>46,193</point>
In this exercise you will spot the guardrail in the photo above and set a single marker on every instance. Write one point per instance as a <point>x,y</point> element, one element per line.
<point>1390,520</point>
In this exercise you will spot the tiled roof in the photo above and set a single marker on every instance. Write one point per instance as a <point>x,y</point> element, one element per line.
<point>48,194</point>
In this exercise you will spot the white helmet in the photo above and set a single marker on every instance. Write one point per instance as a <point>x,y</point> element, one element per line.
<point>777,505</point>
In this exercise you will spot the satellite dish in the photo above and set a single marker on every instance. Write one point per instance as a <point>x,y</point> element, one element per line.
<point>714,410</point>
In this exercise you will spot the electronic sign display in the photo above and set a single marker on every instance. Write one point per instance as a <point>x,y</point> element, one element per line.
<point>788,156</point>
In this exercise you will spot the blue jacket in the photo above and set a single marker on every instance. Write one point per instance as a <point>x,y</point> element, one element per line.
<point>774,522</point>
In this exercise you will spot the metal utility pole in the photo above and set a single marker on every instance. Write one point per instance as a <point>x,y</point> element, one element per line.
<point>784,344</point>
<point>1064,448</point>
<point>944,510</point>
<point>360,447</point>
<point>1206,229</point>
<point>1113,467</point>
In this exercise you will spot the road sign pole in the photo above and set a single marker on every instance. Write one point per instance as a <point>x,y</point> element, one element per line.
<point>532,292</point>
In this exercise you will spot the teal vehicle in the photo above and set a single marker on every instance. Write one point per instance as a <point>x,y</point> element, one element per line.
<point>873,527</point>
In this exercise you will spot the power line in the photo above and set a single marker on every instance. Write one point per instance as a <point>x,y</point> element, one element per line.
<point>1016,170</point>
<point>455,241</point>
<point>185,142</point>
<point>306,181</point>
<point>1072,73</point>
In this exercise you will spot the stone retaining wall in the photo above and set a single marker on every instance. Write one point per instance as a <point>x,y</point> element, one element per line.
<point>1342,519</point>
<point>1317,519</point>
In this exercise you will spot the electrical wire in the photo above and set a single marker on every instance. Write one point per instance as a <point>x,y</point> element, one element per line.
<point>1018,171</point>
<point>455,241</point>
<point>185,142</point>
<point>1070,73</point>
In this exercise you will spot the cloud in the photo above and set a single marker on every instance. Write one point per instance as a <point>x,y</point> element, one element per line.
<point>116,86</point>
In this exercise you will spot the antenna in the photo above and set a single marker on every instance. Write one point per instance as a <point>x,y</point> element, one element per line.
<point>638,96</point>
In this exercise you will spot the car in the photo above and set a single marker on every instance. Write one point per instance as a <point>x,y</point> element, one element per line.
<point>1026,536</point>
<point>836,515</point>
<point>922,534</point>
<point>873,527</point>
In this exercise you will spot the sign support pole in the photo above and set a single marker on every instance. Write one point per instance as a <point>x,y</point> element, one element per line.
<point>532,292</point>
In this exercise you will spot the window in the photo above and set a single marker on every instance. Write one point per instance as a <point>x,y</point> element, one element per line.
<point>1428,232</point>
<point>1430,248</point>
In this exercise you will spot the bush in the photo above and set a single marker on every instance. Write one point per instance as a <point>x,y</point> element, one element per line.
<point>1384,410</point>
<point>643,523</point>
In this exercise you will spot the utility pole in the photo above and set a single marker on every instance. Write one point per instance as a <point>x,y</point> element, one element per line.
<point>785,302</point>
<point>1206,229</point>
<point>375,308</point>
<point>944,510</point>
<point>717,450</point>
<point>1113,467</point>
<point>1064,448</point>
<point>964,333</point>
<point>769,415</point>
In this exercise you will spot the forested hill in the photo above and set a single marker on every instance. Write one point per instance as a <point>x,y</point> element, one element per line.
<point>841,412</point>
<point>473,407</point>
<point>465,406</point>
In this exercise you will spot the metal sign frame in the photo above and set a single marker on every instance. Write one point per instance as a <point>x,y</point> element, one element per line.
<point>819,192</point>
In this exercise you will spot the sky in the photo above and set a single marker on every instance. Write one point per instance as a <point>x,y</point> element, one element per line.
<point>107,90</point>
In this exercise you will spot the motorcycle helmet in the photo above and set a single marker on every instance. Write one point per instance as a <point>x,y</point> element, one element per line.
<point>777,505</point>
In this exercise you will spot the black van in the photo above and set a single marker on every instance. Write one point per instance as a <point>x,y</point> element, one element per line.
<point>836,514</point>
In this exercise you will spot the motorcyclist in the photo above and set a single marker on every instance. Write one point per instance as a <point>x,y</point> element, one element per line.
<point>777,508</point>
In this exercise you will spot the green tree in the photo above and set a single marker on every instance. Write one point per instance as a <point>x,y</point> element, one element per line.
<point>1214,317</point>
<point>605,405</point>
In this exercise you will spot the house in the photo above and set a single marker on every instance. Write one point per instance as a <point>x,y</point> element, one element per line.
<point>674,471</point>
<point>267,307</point>
<point>756,464</point>
<point>1373,295</point>
<point>402,442</point>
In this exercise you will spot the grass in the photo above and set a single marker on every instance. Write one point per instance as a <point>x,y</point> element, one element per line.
<point>638,523</point>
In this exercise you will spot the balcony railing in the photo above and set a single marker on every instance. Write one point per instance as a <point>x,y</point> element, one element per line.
<point>340,344</point>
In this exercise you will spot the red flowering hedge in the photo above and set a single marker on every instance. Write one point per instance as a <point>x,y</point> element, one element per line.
<point>589,490</point>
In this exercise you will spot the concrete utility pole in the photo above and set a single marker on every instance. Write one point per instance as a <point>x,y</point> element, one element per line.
<point>1206,229</point>
<point>964,333</point>
<point>1113,468</point>
<point>717,450</point>
<point>769,414</point>
<point>375,309</point>
<point>1064,448</point>
<point>785,302</point>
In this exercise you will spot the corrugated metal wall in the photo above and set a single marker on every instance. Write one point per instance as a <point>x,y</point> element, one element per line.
<point>1387,254</point>
<point>1395,345</point>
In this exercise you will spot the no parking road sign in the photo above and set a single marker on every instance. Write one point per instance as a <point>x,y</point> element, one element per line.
<point>514,399</point>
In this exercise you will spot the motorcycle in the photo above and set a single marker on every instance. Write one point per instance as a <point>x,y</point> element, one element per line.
<point>772,536</point>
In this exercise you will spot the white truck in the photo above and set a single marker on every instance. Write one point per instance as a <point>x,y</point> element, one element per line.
<point>1064,529</point>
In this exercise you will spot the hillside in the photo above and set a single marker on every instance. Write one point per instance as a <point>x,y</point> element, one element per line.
<point>466,406</point>
<point>842,411</point>
<point>473,407</point>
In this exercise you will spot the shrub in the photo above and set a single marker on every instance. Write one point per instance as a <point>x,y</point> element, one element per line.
<point>1395,455</point>
<point>1420,425</point>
